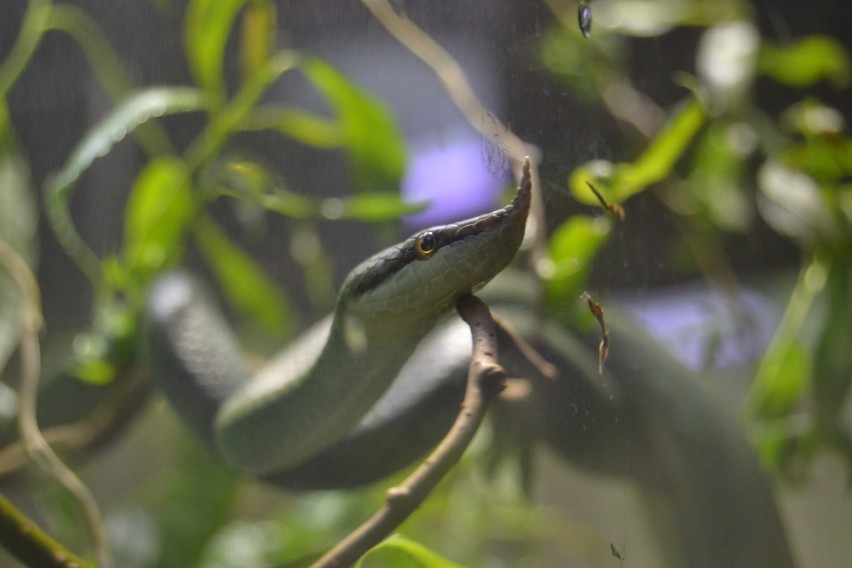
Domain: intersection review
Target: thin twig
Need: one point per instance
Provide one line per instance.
(485, 380)
(541, 365)
(126, 395)
(461, 93)
(37, 447)
(598, 312)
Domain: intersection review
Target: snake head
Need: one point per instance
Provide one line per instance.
(422, 277)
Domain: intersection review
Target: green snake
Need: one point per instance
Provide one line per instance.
(328, 412)
(321, 387)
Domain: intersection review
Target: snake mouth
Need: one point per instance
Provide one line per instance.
(501, 230)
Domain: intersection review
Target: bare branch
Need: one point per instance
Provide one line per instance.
(485, 380)
(35, 444)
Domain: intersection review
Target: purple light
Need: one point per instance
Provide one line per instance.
(454, 179)
(702, 328)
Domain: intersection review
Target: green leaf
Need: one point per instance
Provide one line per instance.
(781, 380)
(371, 207)
(806, 61)
(572, 248)
(244, 283)
(124, 119)
(18, 209)
(228, 120)
(198, 494)
(370, 135)
(652, 166)
(399, 551)
(794, 205)
(308, 128)
(208, 26)
(157, 217)
(257, 37)
(100, 353)
(254, 185)
(714, 182)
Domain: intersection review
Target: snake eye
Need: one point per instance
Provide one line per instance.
(425, 245)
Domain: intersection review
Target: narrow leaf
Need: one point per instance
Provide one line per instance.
(208, 26)
(806, 61)
(258, 35)
(124, 119)
(305, 127)
(377, 206)
(18, 227)
(372, 139)
(399, 551)
(572, 248)
(244, 283)
(653, 165)
(157, 216)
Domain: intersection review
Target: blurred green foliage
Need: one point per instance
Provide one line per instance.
(717, 160)
(701, 164)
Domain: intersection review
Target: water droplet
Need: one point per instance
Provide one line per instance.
(584, 18)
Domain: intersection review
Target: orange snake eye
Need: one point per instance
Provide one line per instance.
(426, 245)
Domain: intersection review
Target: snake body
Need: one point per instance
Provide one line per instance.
(646, 419)
(320, 388)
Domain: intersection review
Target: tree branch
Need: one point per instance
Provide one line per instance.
(34, 442)
(31, 545)
(485, 380)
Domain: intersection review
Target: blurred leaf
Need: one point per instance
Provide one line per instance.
(193, 503)
(127, 116)
(715, 178)
(244, 283)
(793, 205)
(373, 142)
(371, 207)
(18, 227)
(811, 117)
(228, 120)
(654, 165)
(305, 127)
(158, 214)
(805, 62)
(18, 209)
(786, 368)
(208, 26)
(258, 35)
(781, 380)
(572, 247)
(100, 353)
(136, 110)
(578, 61)
(250, 182)
(833, 356)
(399, 551)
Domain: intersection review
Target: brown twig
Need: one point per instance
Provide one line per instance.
(598, 312)
(461, 93)
(541, 365)
(125, 397)
(485, 380)
(613, 209)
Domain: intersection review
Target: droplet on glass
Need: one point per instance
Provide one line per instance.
(584, 18)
